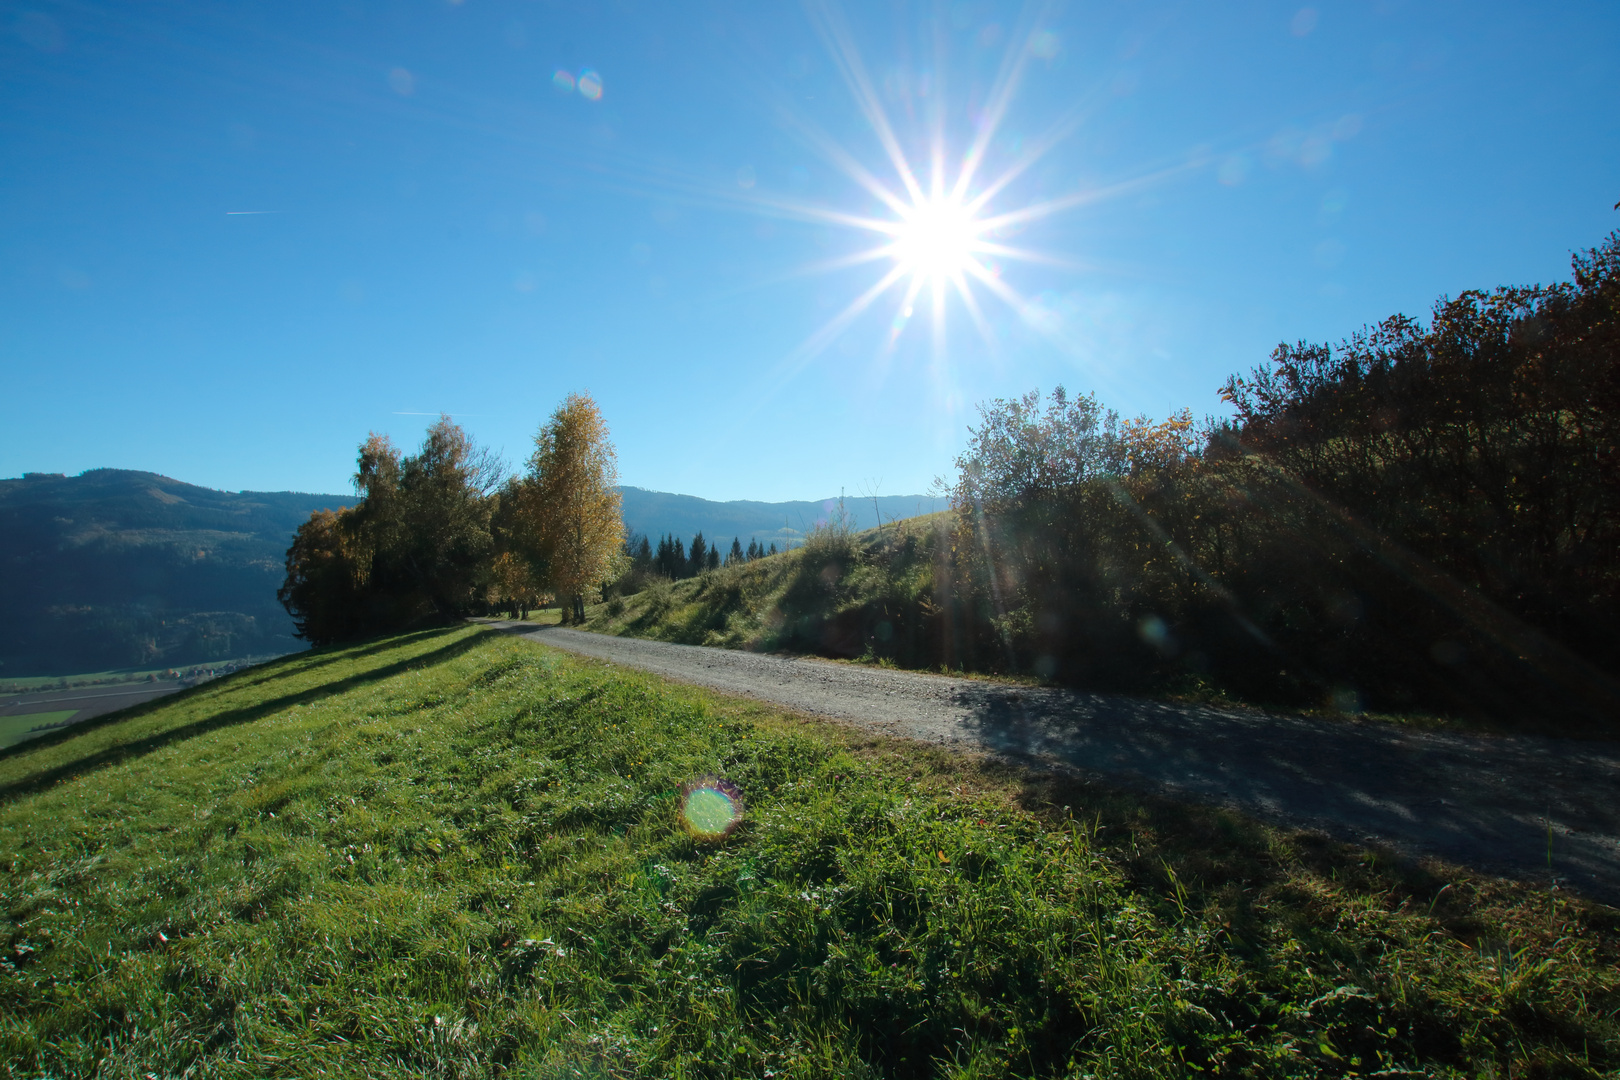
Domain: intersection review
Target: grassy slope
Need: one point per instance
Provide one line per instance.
(828, 598)
(456, 854)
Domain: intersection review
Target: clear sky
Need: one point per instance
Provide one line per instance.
(234, 238)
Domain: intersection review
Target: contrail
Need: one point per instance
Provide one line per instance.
(233, 213)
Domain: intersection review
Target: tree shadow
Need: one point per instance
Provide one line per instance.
(1521, 807)
(122, 752)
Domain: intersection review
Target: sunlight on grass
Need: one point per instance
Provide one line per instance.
(459, 854)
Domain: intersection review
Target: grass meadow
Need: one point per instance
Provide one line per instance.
(458, 854)
(14, 729)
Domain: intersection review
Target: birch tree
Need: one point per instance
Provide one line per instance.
(570, 528)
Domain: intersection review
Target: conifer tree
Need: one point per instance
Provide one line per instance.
(697, 557)
(736, 554)
(714, 558)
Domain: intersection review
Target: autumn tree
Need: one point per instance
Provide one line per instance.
(571, 529)
(322, 588)
(416, 548)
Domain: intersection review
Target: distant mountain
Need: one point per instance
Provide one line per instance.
(114, 568)
(654, 513)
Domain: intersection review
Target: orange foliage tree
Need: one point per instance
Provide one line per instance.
(567, 522)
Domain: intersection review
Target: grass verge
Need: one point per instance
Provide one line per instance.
(458, 854)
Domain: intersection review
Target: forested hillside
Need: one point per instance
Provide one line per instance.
(1423, 517)
(116, 568)
(786, 524)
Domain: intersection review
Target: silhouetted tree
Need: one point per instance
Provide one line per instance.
(641, 556)
(697, 558)
(416, 548)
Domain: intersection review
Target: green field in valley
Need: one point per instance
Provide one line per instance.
(14, 729)
(459, 854)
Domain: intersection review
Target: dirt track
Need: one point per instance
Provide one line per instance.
(1484, 802)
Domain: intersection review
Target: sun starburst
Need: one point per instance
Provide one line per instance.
(938, 233)
(936, 238)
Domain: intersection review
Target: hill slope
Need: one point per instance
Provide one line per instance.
(116, 568)
(456, 854)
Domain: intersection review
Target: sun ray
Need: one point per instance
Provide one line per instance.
(902, 314)
(1035, 211)
(845, 161)
(971, 302)
(848, 60)
(1031, 155)
(1001, 96)
(933, 219)
(1027, 255)
(812, 346)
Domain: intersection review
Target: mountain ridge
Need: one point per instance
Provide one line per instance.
(117, 568)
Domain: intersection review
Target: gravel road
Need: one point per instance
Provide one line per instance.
(1481, 801)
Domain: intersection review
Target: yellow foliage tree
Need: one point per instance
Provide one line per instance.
(569, 525)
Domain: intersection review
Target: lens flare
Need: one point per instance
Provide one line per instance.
(710, 808)
(590, 85)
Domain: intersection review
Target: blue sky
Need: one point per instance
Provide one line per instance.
(448, 224)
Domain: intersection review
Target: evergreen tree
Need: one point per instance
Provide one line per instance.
(697, 558)
(677, 558)
(714, 558)
(773, 548)
(753, 549)
(736, 554)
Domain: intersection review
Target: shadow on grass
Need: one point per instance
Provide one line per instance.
(1531, 808)
(122, 752)
(257, 675)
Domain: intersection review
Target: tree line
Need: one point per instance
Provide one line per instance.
(676, 561)
(443, 533)
(1422, 517)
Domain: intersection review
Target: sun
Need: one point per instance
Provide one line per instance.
(934, 226)
(936, 239)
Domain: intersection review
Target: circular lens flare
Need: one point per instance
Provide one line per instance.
(710, 808)
(936, 239)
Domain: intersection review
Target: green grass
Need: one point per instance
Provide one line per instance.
(30, 684)
(841, 595)
(458, 854)
(14, 729)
